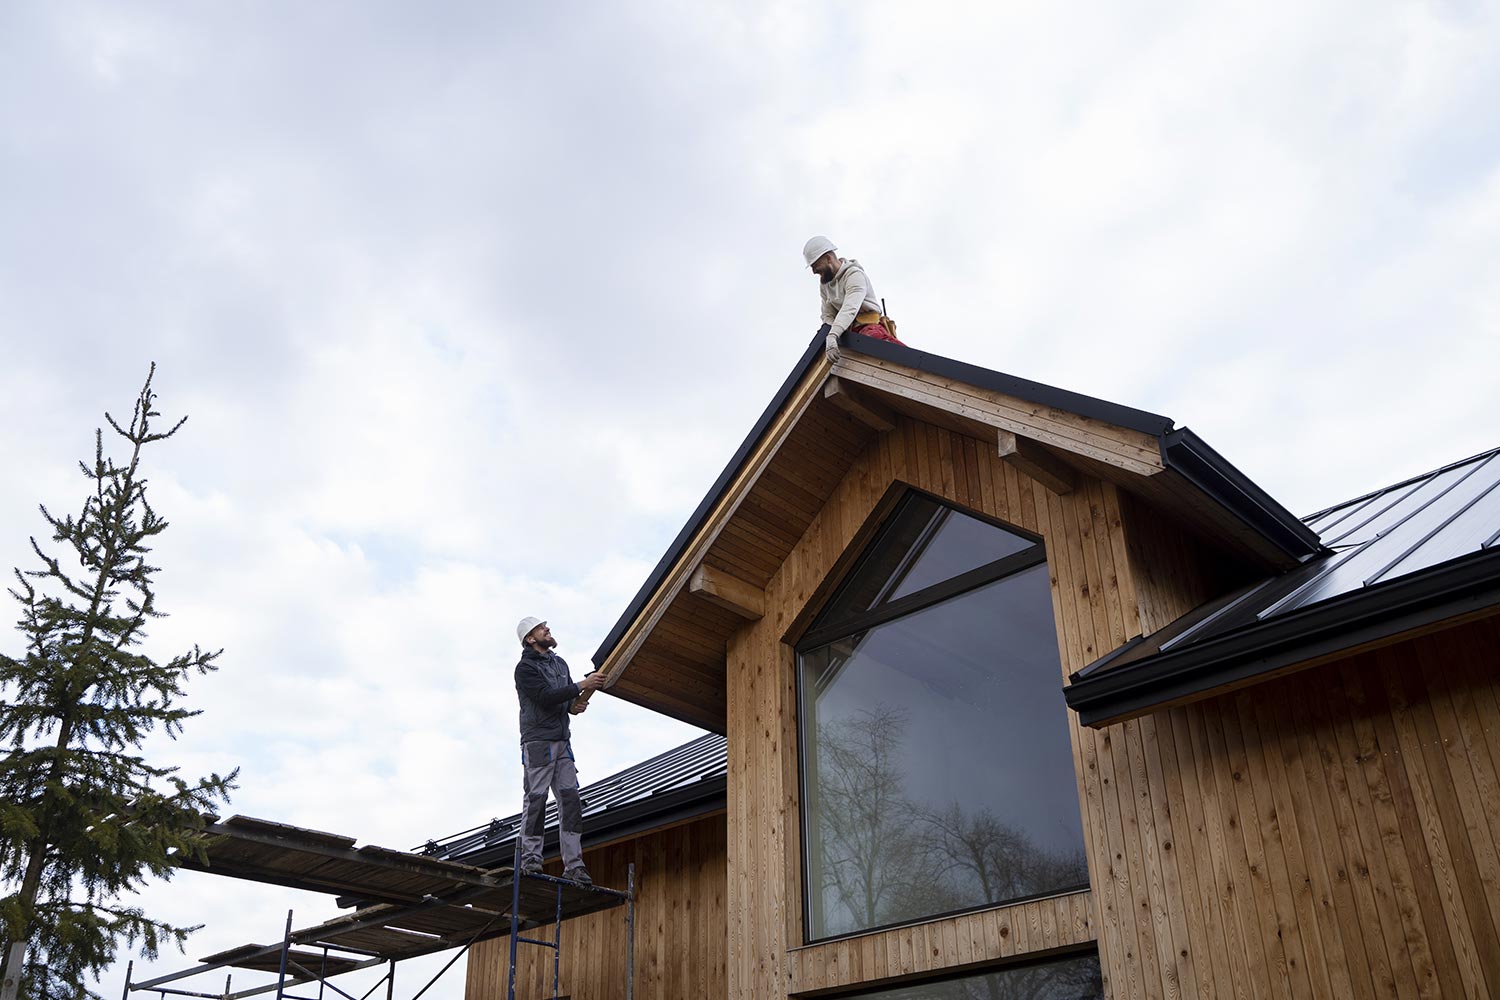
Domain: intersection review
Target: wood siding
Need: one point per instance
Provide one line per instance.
(1095, 611)
(969, 941)
(1324, 834)
(679, 937)
(1332, 833)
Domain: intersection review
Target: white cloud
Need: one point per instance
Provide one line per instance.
(470, 306)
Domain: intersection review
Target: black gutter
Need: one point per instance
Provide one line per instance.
(1190, 456)
(1383, 611)
(1181, 450)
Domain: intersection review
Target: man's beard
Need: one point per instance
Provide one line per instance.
(547, 643)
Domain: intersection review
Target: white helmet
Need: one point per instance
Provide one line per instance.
(815, 248)
(525, 627)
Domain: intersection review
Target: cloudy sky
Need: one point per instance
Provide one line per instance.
(469, 304)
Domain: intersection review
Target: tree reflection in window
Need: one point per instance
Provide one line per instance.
(937, 774)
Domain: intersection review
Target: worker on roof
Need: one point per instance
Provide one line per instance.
(847, 297)
(548, 695)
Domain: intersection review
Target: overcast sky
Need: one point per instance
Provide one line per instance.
(469, 304)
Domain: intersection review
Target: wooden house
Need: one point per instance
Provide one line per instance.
(1024, 693)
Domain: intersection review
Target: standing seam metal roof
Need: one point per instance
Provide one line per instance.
(1450, 512)
(1413, 553)
(688, 777)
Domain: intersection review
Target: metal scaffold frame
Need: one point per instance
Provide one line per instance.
(459, 907)
(556, 943)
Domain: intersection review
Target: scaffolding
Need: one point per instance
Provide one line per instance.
(426, 906)
(556, 943)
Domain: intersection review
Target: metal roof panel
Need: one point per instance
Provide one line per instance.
(1381, 537)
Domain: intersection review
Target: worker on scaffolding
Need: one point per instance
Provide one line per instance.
(847, 298)
(548, 695)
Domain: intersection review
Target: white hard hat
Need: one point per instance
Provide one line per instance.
(815, 248)
(524, 628)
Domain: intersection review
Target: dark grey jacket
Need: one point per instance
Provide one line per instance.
(545, 690)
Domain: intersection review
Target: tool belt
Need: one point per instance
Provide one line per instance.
(870, 317)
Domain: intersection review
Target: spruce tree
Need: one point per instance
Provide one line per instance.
(85, 820)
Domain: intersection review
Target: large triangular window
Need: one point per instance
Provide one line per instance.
(937, 775)
(925, 551)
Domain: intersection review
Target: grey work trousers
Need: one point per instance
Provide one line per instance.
(549, 764)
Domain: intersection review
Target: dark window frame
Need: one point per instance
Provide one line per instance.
(1087, 949)
(814, 637)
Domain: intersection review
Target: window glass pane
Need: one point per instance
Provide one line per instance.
(1068, 979)
(924, 544)
(938, 772)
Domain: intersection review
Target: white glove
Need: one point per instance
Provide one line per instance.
(831, 344)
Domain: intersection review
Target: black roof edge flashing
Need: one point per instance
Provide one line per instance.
(1092, 407)
(1383, 611)
(710, 499)
(1189, 455)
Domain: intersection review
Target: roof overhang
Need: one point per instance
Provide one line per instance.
(667, 650)
(1138, 678)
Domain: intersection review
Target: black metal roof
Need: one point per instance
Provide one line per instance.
(1413, 553)
(684, 782)
(1181, 450)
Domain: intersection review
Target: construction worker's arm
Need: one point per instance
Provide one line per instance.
(531, 683)
(856, 287)
(591, 682)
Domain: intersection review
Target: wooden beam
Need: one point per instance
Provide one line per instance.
(871, 414)
(728, 592)
(1028, 457)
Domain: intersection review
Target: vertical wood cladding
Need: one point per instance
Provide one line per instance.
(1332, 833)
(679, 933)
(765, 893)
(1335, 825)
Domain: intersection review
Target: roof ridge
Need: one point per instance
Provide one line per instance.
(1488, 453)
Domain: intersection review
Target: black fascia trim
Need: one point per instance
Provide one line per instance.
(709, 501)
(1035, 392)
(705, 796)
(1189, 455)
(1462, 586)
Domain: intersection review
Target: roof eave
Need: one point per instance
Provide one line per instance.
(1190, 456)
(1384, 612)
(710, 500)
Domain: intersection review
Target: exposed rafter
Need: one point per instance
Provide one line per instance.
(1036, 461)
(728, 592)
(858, 405)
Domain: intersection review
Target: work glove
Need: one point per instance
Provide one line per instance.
(830, 342)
